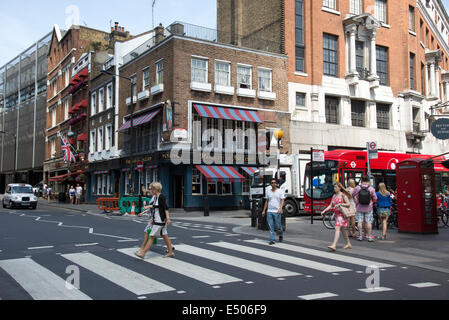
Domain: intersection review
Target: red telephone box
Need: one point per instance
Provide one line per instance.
(416, 199)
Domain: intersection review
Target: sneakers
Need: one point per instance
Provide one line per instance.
(271, 242)
(371, 239)
(360, 238)
(281, 238)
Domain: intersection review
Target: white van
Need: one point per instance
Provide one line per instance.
(19, 194)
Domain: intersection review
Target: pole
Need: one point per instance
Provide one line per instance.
(133, 140)
(368, 161)
(311, 185)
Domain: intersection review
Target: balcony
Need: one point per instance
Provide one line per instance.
(156, 89)
(266, 95)
(145, 94)
(247, 93)
(228, 90)
(201, 86)
(128, 100)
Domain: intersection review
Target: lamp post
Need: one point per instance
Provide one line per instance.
(15, 150)
(278, 134)
(133, 140)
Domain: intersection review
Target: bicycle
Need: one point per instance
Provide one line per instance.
(443, 217)
(329, 220)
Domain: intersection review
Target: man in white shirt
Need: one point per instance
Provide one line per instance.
(274, 204)
(78, 193)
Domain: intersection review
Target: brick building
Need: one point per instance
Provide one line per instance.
(358, 70)
(72, 55)
(185, 82)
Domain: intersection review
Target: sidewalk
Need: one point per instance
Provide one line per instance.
(429, 251)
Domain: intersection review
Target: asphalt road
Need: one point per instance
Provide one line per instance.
(44, 251)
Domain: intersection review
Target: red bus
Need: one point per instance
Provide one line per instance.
(342, 165)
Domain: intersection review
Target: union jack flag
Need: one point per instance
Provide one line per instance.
(68, 154)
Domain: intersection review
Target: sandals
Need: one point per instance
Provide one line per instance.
(347, 246)
(332, 248)
(169, 255)
(138, 255)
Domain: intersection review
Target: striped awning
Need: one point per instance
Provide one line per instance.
(220, 173)
(139, 120)
(227, 113)
(101, 172)
(250, 170)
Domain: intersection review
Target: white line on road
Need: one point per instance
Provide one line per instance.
(128, 240)
(86, 244)
(424, 285)
(43, 247)
(318, 296)
(373, 290)
(200, 237)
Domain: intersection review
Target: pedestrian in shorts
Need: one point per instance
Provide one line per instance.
(364, 196)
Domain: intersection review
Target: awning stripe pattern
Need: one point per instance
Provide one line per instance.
(140, 120)
(220, 173)
(250, 170)
(227, 113)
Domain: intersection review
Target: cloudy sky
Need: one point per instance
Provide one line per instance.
(24, 21)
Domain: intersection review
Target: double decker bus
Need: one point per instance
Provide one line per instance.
(342, 165)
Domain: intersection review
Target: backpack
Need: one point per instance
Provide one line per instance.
(364, 195)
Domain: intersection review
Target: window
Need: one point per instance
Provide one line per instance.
(226, 188)
(100, 139)
(109, 96)
(199, 70)
(108, 140)
(160, 72)
(99, 184)
(331, 4)
(100, 100)
(93, 104)
(222, 73)
(358, 110)
(246, 184)
(330, 55)
(380, 10)
(93, 141)
(411, 18)
(196, 181)
(211, 188)
(52, 148)
(355, 6)
(412, 71)
(421, 30)
(300, 100)
(66, 109)
(360, 59)
(299, 35)
(382, 64)
(416, 120)
(383, 116)
(244, 77)
(53, 117)
(134, 86)
(423, 78)
(265, 80)
(331, 109)
(146, 77)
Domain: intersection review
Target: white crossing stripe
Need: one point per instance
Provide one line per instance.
(39, 282)
(281, 257)
(208, 276)
(318, 296)
(377, 289)
(327, 255)
(424, 285)
(123, 277)
(236, 262)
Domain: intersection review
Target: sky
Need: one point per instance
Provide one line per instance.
(24, 22)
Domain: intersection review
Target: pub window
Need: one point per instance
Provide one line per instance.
(196, 181)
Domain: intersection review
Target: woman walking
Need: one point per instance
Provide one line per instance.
(339, 200)
(159, 219)
(351, 219)
(384, 204)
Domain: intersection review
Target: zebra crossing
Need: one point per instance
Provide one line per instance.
(212, 265)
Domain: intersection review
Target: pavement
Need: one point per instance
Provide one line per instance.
(428, 251)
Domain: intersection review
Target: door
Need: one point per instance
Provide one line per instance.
(178, 190)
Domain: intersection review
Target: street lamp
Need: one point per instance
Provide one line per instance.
(15, 149)
(279, 134)
(133, 140)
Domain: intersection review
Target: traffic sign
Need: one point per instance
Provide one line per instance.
(372, 150)
(140, 166)
(318, 156)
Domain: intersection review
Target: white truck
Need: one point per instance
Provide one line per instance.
(292, 168)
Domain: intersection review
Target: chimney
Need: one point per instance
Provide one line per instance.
(177, 29)
(159, 33)
(116, 26)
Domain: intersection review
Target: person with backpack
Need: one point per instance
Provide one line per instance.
(364, 196)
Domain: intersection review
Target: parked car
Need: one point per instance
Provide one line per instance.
(38, 189)
(19, 194)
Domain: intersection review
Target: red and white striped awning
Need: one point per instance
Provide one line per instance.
(140, 120)
(220, 173)
(227, 113)
(250, 170)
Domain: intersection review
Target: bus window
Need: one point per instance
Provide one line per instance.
(355, 175)
(324, 176)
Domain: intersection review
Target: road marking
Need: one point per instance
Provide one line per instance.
(281, 257)
(424, 285)
(373, 290)
(86, 244)
(200, 237)
(328, 255)
(39, 282)
(123, 277)
(43, 247)
(236, 262)
(318, 296)
(129, 240)
(201, 274)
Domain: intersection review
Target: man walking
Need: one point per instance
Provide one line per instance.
(364, 196)
(275, 202)
(78, 193)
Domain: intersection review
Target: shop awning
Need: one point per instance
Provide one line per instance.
(250, 170)
(227, 113)
(220, 173)
(101, 172)
(140, 120)
(82, 137)
(62, 177)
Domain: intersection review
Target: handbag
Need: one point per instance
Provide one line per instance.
(348, 212)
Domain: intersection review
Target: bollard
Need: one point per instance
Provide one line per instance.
(206, 206)
(262, 223)
(254, 210)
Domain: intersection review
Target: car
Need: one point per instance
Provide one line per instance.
(19, 194)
